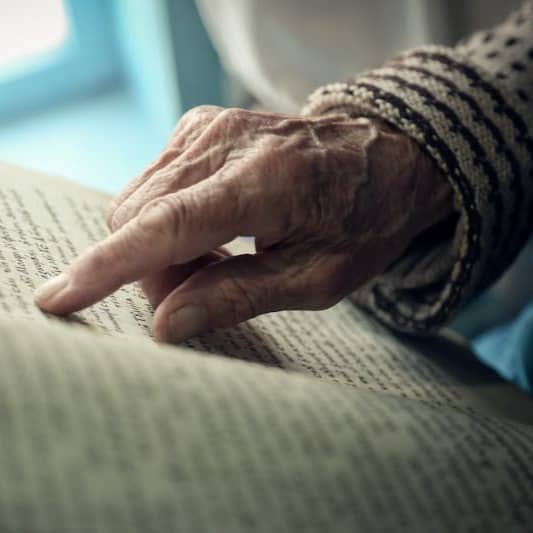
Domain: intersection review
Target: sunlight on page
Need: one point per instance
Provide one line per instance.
(29, 28)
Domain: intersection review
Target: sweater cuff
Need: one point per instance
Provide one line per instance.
(478, 133)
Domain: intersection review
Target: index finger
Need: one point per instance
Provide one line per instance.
(174, 229)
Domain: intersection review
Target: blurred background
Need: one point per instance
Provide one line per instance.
(91, 89)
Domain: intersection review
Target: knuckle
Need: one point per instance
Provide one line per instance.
(229, 112)
(206, 109)
(233, 114)
(161, 215)
(240, 303)
(198, 113)
(191, 115)
(229, 124)
(209, 110)
(188, 118)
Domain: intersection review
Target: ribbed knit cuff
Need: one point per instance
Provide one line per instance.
(478, 133)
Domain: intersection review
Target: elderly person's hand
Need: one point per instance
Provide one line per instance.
(331, 201)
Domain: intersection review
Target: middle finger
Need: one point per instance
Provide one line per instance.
(205, 156)
(187, 131)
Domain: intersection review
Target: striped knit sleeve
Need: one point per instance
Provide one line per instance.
(470, 108)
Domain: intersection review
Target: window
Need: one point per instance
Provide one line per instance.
(24, 37)
(92, 88)
(52, 50)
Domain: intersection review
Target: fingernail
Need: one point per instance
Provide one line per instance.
(187, 322)
(51, 288)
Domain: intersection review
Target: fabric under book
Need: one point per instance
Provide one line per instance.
(295, 421)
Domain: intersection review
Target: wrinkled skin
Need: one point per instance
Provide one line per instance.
(331, 200)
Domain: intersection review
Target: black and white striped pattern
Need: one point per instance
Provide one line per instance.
(507, 51)
(477, 126)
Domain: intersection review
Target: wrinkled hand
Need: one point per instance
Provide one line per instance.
(331, 201)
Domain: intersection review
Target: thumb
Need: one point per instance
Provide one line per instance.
(228, 292)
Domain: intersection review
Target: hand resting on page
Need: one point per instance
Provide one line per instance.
(332, 201)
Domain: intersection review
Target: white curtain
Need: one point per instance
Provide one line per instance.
(280, 50)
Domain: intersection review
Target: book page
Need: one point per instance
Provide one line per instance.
(344, 345)
(45, 222)
(101, 434)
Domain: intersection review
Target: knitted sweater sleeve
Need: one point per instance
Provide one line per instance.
(471, 109)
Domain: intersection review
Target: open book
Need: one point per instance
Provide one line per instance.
(295, 421)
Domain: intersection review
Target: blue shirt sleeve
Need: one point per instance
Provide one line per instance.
(509, 349)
